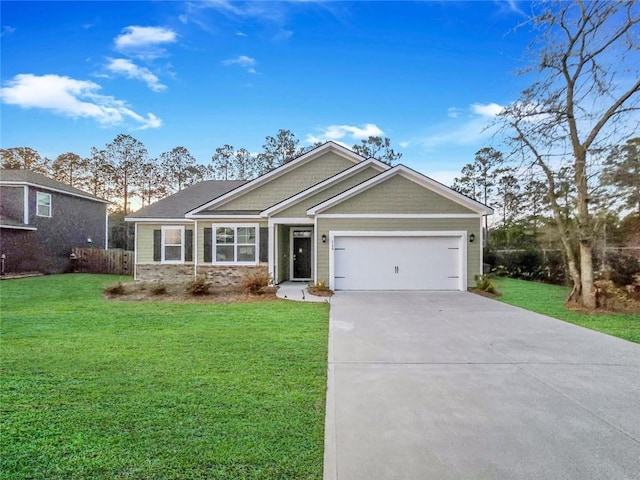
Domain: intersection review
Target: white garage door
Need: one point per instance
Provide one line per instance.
(397, 263)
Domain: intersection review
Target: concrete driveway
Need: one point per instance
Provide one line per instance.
(450, 385)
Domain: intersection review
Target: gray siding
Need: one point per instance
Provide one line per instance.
(398, 195)
(470, 225)
(12, 203)
(73, 221)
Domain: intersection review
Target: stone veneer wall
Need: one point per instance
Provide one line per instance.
(216, 275)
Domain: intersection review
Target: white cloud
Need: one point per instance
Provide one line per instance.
(242, 61)
(241, 34)
(489, 110)
(144, 42)
(71, 98)
(6, 30)
(453, 112)
(466, 126)
(339, 132)
(127, 68)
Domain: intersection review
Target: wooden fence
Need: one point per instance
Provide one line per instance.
(93, 260)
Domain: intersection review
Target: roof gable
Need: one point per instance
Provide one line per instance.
(329, 182)
(277, 173)
(401, 171)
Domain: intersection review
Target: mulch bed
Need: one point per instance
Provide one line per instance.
(139, 292)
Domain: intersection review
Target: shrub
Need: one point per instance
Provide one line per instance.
(622, 269)
(115, 290)
(158, 288)
(256, 282)
(199, 286)
(484, 284)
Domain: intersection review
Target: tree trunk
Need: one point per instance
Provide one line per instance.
(586, 268)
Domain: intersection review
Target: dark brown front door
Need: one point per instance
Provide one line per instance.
(301, 258)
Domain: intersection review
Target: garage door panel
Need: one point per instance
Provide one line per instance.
(397, 263)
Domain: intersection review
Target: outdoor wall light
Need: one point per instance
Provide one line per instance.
(472, 237)
(324, 239)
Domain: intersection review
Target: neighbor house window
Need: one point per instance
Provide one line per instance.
(236, 244)
(43, 204)
(172, 245)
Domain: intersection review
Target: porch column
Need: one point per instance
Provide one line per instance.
(272, 251)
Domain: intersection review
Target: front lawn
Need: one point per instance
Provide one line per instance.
(141, 390)
(549, 300)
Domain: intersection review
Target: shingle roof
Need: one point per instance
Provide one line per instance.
(178, 204)
(27, 176)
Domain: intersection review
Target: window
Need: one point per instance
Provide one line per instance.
(43, 204)
(236, 244)
(172, 243)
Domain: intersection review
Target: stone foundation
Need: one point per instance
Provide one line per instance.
(220, 276)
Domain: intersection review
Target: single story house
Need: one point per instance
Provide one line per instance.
(328, 216)
(42, 220)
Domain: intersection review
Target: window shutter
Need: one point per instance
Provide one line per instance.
(208, 234)
(157, 245)
(264, 244)
(188, 245)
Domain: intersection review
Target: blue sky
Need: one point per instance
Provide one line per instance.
(429, 75)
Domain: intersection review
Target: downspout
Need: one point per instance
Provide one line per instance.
(195, 250)
(25, 218)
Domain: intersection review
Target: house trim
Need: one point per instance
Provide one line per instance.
(399, 215)
(281, 170)
(52, 189)
(26, 204)
(235, 226)
(18, 227)
(349, 172)
(159, 220)
(409, 174)
(306, 228)
(163, 245)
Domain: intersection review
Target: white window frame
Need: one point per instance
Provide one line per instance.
(163, 244)
(40, 196)
(235, 226)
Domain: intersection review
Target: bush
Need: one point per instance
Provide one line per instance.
(484, 284)
(158, 288)
(115, 290)
(622, 269)
(199, 286)
(256, 282)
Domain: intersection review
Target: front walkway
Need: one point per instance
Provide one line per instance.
(450, 385)
(298, 291)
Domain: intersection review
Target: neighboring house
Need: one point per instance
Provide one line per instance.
(42, 220)
(328, 216)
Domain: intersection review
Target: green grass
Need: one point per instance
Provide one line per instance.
(549, 300)
(96, 389)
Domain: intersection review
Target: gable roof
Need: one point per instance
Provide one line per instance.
(412, 175)
(176, 205)
(27, 177)
(286, 203)
(281, 170)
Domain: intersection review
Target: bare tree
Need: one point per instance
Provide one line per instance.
(24, 158)
(622, 171)
(179, 168)
(72, 169)
(125, 155)
(278, 150)
(150, 182)
(378, 148)
(587, 67)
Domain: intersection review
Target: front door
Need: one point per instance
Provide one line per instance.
(301, 255)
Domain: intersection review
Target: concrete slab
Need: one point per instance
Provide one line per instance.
(451, 385)
(298, 291)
